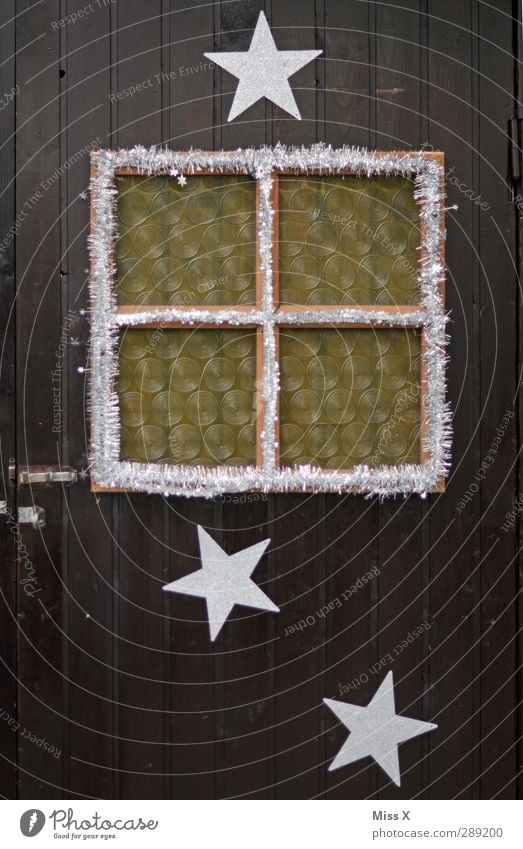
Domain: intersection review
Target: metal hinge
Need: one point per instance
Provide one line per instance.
(45, 475)
(34, 516)
(514, 131)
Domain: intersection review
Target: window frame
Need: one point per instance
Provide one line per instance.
(109, 473)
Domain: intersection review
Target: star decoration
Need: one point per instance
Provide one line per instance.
(182, 180)
(263, 71)
(224, 580)
(376, 730)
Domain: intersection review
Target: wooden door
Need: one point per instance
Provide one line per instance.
(119, 677)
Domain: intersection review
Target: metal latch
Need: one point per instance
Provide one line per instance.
(34, 516)
(46, 475)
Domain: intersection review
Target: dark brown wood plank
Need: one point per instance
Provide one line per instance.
(192, 696)
(295, 530)
(41, 663)
(87, 518)
(243, 651)
(140, 646)
(349, 523)
(402, 579)
(454, 530)
(7, 403)
(347, 72)
(499, 291)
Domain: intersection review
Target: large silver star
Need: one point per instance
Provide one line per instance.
(263, 71)
(224, 580)
(376, 730)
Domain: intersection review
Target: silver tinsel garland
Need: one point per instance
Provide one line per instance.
(110, 471)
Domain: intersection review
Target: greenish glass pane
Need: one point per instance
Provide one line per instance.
(348, 240)
(186, 245)
(188, 396)
(349, 397)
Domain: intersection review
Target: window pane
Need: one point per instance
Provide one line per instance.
(349, 397)
(186, 245)
(188, 396)
(351, 240)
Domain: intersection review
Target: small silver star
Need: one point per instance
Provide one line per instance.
(263, 71)
(182, 180)
(224, 580)
(376, 730)
(83, 195)
(82, 311)
(84, 473)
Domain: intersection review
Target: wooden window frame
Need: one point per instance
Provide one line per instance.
(267, 316)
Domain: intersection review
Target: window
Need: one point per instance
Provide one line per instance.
(268, 319)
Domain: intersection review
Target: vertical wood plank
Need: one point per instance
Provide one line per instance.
(454, 524)
(296, 531)
(87, 519)
(350, 523)
(42, 687)
(499, 386)
(192, 695)
(400, 42)
(243, 650)
(7, 405)
(139, 651)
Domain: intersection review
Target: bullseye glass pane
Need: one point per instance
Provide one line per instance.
(349, 397)
(188, 396)
(186, 245)
(348, 240)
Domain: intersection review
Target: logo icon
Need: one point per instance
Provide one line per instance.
(32, 822)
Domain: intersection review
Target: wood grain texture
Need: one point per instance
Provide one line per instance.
(123, 677)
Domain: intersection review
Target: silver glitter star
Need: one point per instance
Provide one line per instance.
(182, 180)
(376, 730)
(263, 71)
(224, 580)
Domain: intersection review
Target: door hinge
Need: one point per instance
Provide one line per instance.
(514, 132)
(46, 475)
